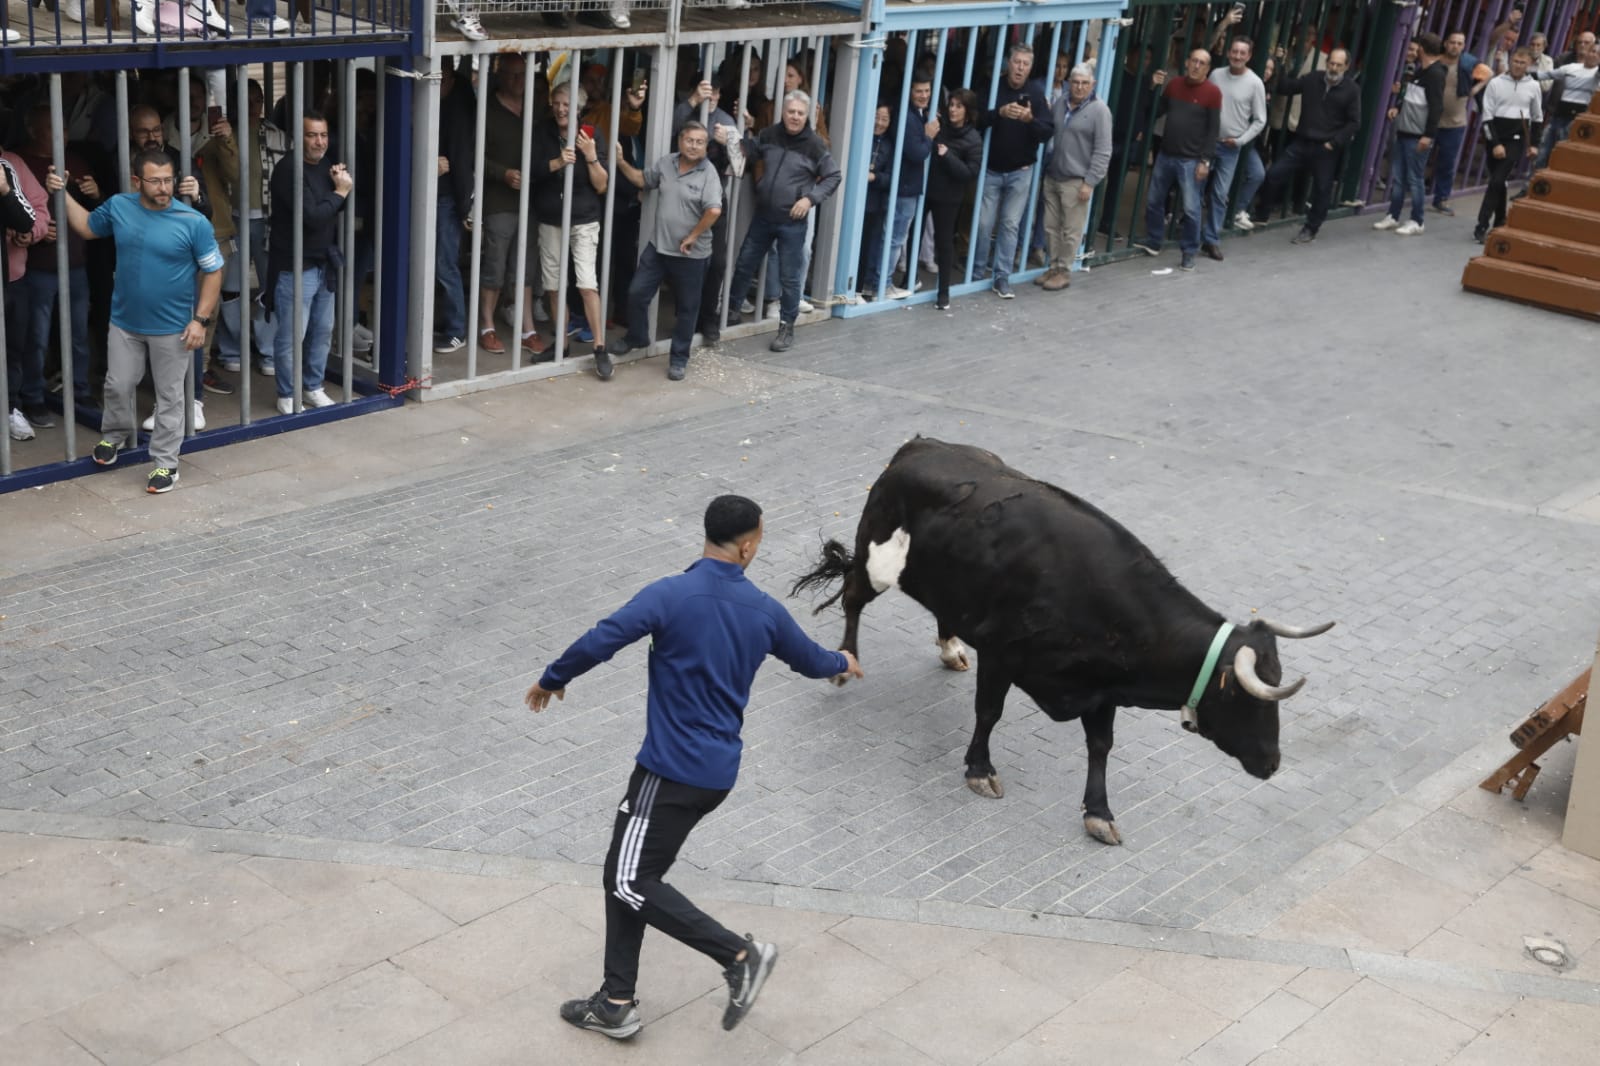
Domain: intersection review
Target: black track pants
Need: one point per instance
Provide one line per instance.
(652, 823)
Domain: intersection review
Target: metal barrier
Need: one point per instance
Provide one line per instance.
(750, 66)
(218, 130)
(83, 23)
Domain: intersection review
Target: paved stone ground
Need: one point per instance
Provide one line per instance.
(1333, 432)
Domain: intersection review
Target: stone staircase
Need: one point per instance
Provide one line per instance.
(1548, 252)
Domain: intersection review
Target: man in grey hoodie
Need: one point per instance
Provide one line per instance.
(1079, 157)
(798, 174)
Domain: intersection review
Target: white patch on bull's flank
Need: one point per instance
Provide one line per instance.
(886, 561)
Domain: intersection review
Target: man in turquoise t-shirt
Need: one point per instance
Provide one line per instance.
(161, 244)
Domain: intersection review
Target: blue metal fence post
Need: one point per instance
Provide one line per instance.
(395, 308)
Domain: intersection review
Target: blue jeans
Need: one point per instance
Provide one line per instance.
(1221, 182)
(1556, 129)
(1004, 194)
(872, 224)
(261, 9)
(317, 304)
(774, 286)
(37, 303)
(1406, 165)
(1169, 171)
(233, 296)
(687, 275)
(790, 237)
(1447, 152)
(451, 320)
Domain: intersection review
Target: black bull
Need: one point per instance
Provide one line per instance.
(1060, 600)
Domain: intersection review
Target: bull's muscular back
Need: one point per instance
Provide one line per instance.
(1006, 561)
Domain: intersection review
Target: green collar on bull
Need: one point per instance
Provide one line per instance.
(1191, 717)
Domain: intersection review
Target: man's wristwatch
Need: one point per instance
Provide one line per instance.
(204, 320)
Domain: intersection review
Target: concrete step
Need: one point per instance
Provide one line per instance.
(1585, 128)
(1580, 159)
(1542, 250)
(1533, 285)
(1555, 220)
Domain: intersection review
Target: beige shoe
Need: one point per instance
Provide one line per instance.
(1058, 280)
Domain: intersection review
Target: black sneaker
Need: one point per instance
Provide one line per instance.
(1479, 234)
(1002, 287)
(1187, 263)
(745, 979)
(40, 417)
(622, 346)
(711, 334)
(215, 384)
(105, 453)
(1305, 236)
(675, 371)
(785, 338)
(616, 1020)
(602, 363)
(1146, 247)
(162, 479)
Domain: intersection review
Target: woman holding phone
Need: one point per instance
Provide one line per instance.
(952, 168)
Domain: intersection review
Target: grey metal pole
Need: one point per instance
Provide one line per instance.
(58, 152)
(185, 167)
(735, 186)
(475, 215)
(382, 70)
(568, 176)
(248, 138)
(885, 267)
(124, 169)
(347, 222)
(524, 194)
(297, 314)
(599, 328)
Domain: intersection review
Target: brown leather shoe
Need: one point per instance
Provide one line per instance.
(1058, 281)
(489, 341)
(1045, 277)
(1211, 251)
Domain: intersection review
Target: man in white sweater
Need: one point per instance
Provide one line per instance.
(1244, 116)
(1512, 114)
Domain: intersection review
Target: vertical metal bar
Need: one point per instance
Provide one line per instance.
(736, 185)
(1036, 179)
(5, 387)
(480, 64)
(524, 212)
(568, 178)
(983, 170)
(777, 57)
(297, 314)
(124, 168)
(615, 135)
(914, 243)
(248, 139)
(380, 72)
(972, 229)
(349, 284)
(58, 152)
(185, 168)
(885, 267)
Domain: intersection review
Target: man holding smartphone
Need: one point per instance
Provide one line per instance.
(551, 159)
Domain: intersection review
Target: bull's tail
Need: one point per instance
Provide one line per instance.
(836, 563)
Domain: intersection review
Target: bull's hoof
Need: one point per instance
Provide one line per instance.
(953, 654)
(987, 787)
(1102, 830)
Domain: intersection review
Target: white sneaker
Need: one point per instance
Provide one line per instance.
(275, 24)
(470, 27)
(10, 36)
(1386, 222)
(1409, 228)
(318, 398)
(144, 17)
(361, 338)
(286, 405)
(70, 11)
(806, 306)
(212, 17)
(897, 293)
(199, 416)
(619, 16)
(747, 308)
(21, 428)
(1242, 221)
(737, 5)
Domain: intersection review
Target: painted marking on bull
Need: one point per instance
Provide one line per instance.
(886, 561)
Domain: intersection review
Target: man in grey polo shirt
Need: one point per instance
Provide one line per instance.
(688, 204)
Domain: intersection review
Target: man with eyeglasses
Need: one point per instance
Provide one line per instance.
(162, 247)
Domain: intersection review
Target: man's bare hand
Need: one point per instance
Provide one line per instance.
(89, 187)
(1499, 151)
(538, 698)
(189, 187)
(801, 208)
(194, 335)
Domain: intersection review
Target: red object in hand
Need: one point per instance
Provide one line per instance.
(588, 131)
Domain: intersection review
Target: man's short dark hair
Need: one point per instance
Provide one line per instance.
(730, 517)
(1429, 44)
(311, 114)
(150, 157)
(921, 76)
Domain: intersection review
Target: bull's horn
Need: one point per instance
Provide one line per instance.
(1296, 632)
(1244, 668)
